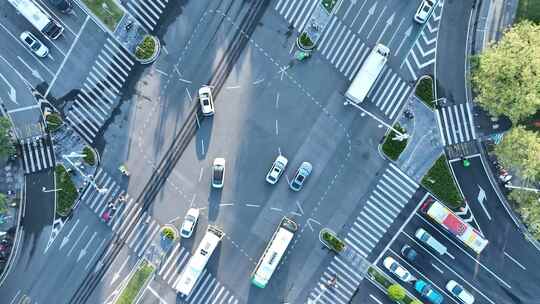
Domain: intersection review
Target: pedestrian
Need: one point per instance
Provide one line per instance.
(333, 281)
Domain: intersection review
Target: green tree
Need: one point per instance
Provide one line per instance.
(396, 292)
(506, 75)
(528, 206)
(6, 144)
(520, 149)
(3, 203)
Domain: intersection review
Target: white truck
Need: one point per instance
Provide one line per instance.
(38, 17)
(367, 75)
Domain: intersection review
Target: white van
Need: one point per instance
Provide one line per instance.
(430, 241)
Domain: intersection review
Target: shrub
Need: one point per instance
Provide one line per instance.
(146, 48)
(440, 182)
(393, 147)
(305, 41)
(54, 122)
(396, 292)
(67, 193)
(334, 242)
(168, 233)
(424, 91)
(89, 157)
(415, 301)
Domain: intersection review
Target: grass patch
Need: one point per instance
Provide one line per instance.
(146, 48)
(424, 91)
(89, 157)
(68, 193)
(54, 122)
(528, 10)
(137, 281)
(305, 41)
(439, 181)
(329, 5)
(391, 147)
(107, 11)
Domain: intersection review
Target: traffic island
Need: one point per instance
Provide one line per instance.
(66, 192)
(330, 240)
(54, 122)
(89, 156)
(424, 91)
(147, 50)
(107, 11)
(304, 42)
(395, 291)
(440, 182)
(393, 145)
(328, 5)
(137, 282)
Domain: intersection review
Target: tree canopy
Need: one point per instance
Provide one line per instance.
(6, 144)
(520, 149)
(506, 75)
(528, 206)
(396, 292)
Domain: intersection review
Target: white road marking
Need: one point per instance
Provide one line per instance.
(192, 200)
(276, 209)
(188, 94)
(256, 82)
(300, 207)
(515, 261)
(226, 204)
(161, 300)
(481, 198)
(277, 100)
(202, 146)
(15, 297)
(95, 253)
(375, 299)
(233, 87)
(252, 205)
(438, 269)
(201, 174)
(77, 240)
(184, 80)
(161, 72)
(277, 128)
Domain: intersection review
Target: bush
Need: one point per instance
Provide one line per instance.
(7, 146)
(396, 292)
(329, 5)
(54, 122)
(146, 48)
(334, 242)
(89, 157)
(392, 147)
(424, 91)
(440, 182)
(168, 233)
(67, 194)
(3, 203)
(305, 41)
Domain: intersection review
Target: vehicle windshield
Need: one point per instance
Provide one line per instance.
(205, 101)
(218, 173)
(457, 289)
(300, 178)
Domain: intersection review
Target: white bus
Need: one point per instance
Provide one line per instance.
(196, 264)
(367, 75)
(38, 18)
(274, 251)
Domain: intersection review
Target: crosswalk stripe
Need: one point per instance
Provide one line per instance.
(346, 50)
(297, 7)
(336, 42)
(149, 9)
(199, 288)
(307, 15)
(141, 11)
(77, 126)
(169, 258)
(158, 9)
(137, 230)
(405, 95)
(377, 210)
(337, 52)
(329, 28)
(149, 239)
(120, 52)
(386, 87)
(140, 17)
(31, 156)
(353, 50)
(365, 53)
(355, 60)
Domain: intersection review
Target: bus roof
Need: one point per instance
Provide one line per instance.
(31, 11)
(272, 256)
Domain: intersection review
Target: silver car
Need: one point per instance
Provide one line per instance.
(300, 177)
(277, 169)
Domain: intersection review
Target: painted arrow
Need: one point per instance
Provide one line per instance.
(34, 72)
(371, 11)
(407, 33)
(481, 198)
(308, 222)
(12, 93)
(85, 249)
(65, 240)
(386, 26)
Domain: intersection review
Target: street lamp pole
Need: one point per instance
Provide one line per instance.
(50, 190)
(400, 135)
(523, 188)
(68, 157)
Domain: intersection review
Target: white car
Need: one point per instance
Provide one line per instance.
(461, 294)
(36, 46)
(399, 271)
(424, 11)
(190, 221)
(206, 100)
(277, 169)
(218, 173)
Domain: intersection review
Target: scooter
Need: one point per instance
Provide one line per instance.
(124, 170)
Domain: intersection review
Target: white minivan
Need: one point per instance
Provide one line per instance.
(430, 241)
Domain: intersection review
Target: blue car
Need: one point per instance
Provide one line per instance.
(427, 291)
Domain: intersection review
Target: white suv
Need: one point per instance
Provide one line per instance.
(36, 46)
(424, 11)
(277, 169)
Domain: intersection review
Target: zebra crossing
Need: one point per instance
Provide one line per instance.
(208, 288)
(147, 12)
(130, 214)
(455, 124)
(296, 12)
(391, 193)
(423, 53)
(101, 90)
(37, 155)
(390, 93)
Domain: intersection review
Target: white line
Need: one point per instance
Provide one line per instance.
(188, 94)
(161, 300)
(277, 128)
(66, 56)
(95, 253)
(438, 269)
(226, 204)
(515, 261)
(184, 80)
(161, 72)
(252, 205)
(375, 299)
(201, 174)
(202, 146)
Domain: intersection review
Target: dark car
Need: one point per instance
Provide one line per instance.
(409, 253)
(62, 5)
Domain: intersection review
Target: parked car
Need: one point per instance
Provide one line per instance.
(427, 291)
(409, 254)
(430, 241)
(218, 172)
(277, 169)
(206, 100)
(399, 271)
(459, 292)
(300, 176)
(424, 11)
(62, 5)
(190, 221)
(36, 46)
